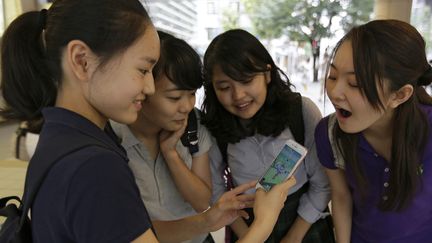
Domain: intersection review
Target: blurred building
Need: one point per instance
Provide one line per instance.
(214, 17)
(176, 17)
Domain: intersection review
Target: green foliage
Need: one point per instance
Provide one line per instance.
(357, 12)
(305, 20)
(230, 19)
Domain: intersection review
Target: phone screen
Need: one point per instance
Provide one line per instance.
(280, 168)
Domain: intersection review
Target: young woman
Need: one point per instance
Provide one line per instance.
(79, 64)
(377, 147)
(173, 182)
(249, 106)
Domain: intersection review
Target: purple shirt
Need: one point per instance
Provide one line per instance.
(369, 224)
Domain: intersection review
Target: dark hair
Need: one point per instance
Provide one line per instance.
(32, 47)
(241, 56)
(391, 52)
(179, 62)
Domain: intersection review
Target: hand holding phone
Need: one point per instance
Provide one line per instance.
(284, 165)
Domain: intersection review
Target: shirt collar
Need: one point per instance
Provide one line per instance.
(127, 138)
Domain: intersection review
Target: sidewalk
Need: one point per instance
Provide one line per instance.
(12, 174)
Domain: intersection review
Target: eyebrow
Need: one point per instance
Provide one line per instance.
(149, 59)
(172, 89)
(219, 81)
(350, 72)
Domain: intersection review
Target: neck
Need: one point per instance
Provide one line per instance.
(144, 130)
(74, 101)
(382, 128)
(148, 134)
(380, 135)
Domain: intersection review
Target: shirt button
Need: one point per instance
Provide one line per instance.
(385, 198)
(386, 170)
(386, 184)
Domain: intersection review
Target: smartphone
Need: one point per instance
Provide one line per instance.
(284, 165)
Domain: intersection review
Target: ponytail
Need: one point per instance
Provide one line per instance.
(26, 83)
(424, 80)
(33, 44)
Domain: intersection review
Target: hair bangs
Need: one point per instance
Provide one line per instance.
(243, 70)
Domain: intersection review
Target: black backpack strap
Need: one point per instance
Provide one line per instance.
(296, 122)
(36, 173)
(190, 136)
(226, 175)
(4, 200)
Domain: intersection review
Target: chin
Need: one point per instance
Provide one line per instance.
(349, 130)
(126, 119)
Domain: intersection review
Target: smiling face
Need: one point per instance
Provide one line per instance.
(353, 111)
(241, 98)
(169, 107)
(118, 88)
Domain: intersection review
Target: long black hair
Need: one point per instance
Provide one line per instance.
(32, 47)
(179, 62)
(241, 56)
(392, 53)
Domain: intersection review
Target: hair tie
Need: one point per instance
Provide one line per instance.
(42, 18)
(426, 78)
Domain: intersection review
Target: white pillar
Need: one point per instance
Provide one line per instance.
(393, 9)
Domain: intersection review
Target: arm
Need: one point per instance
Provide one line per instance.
(193, 184)
(316, 199)
(297, 231)
(341, 205)
(223, 212)
(266, 210)
(147, 237)
(239, 227)
(313, 202)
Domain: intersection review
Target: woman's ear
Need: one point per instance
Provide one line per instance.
(401, 95)
(268, 74)
(80, 59)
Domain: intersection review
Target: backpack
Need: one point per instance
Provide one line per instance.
(190, 136)
(17, 227)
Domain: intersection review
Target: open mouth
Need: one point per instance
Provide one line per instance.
(344, 113)
(138, 104)
(243, 106)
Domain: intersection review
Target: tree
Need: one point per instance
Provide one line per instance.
(230, 19)
(305, 20)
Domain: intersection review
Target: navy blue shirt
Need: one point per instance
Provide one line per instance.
(89, 195)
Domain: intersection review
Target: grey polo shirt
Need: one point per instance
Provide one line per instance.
(158, 190)
(250, 158)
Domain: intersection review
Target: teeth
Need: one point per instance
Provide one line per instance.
(243, 105)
